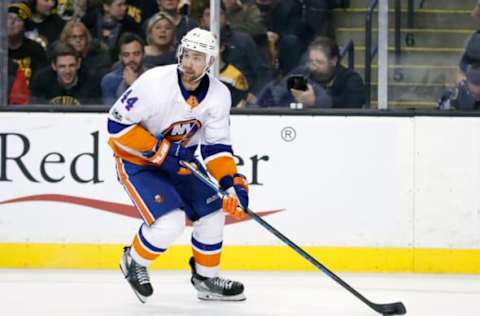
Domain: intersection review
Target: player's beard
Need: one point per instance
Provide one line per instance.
(189, 76)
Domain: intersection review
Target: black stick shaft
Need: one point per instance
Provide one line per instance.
(376, 307)
(307, 256)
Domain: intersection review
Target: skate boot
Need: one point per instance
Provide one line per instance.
(136, 275)
(216, 289)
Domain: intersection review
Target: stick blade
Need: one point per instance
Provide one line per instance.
(391, 309)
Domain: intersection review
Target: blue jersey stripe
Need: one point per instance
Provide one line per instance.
(210, 150)
(206, 247)
(115, 127)
(147, 244)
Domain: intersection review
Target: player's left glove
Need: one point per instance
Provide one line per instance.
(236, 202)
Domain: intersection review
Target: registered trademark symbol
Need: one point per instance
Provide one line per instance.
(288, 134)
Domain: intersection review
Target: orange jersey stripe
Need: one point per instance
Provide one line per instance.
(206, 260)
(133, 159)
(141, 207)
(144, 253)
(222, 166)
(137, 138)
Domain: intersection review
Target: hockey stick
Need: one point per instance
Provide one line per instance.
(385, 309)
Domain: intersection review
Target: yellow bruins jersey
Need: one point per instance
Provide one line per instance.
(237, 83)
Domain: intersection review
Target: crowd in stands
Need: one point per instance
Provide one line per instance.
(466, 93)
(88, 52)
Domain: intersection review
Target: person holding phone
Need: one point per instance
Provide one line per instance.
(466, 95)
(322, 82)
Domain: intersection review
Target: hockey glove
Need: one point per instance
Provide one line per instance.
(161, 157)
(181, 153)
(158, 155)
(236, 202)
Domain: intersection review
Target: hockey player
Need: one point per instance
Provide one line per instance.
(159, 121)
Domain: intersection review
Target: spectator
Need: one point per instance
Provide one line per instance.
(45, 25)
(245, 17)
(109, 22)
(65, 82)
(183, 22)
(318, 17)
(161, 41)
(232, 77)
(329, 84)
(470, 56)
(66, 8)
(28, 54)
(243, 54)
(142, 10)
(466, 95)
(476, 10)
(92, 51)
(18, 92)
(74, 9)
(131, 59)
(285, 31)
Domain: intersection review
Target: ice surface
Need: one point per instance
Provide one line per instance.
(106, 293)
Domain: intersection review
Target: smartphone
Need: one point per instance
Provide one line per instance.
(297, 82)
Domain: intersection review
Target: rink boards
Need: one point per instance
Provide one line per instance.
(359, 193)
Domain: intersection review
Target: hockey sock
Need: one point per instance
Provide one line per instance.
(153, 240)
(207, 239)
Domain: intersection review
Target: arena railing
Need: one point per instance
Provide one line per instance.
(271, 111)
(369, 51)
(349, 51)
(409, 37)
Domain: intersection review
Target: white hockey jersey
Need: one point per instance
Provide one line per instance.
(157, 105)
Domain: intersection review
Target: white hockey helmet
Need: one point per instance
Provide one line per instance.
(199, 40)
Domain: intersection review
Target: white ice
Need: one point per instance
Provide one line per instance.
(106, 293)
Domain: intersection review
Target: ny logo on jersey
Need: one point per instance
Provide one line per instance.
(182, 131)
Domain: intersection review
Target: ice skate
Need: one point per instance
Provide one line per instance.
(136, 275)
(216, 289)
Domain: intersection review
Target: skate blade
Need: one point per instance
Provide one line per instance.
(217, 297)
(141, 298)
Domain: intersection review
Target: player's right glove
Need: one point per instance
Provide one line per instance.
(178, 151)
(236, 202)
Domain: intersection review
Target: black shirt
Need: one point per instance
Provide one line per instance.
(49, 30)
(45, 89)
(145, 8)
(30, 57)
(167, 58)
